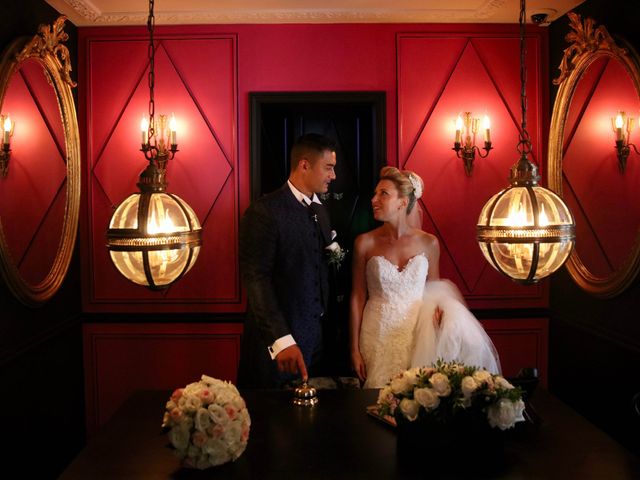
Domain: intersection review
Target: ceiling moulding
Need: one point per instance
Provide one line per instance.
(85, 9)
(85, 13)
(489, 9)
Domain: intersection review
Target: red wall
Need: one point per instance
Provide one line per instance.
(33, 194)
(123, 358)
(603, 200)
(126, 357)
(204, 74)
(438, 78)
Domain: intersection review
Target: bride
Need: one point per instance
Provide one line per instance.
(398, 319)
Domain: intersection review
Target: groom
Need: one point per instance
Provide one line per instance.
(285, 273)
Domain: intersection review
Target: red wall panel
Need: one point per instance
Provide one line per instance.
(521, 343)
(195, 79)
(123, 358)
(606, 224)
(33, 194)
(469, 74)
(205, 74)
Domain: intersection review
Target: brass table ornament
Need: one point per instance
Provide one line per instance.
(305, 395)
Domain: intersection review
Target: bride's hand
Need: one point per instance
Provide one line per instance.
(358, 365)
(437, 318)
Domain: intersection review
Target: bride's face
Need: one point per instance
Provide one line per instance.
(386, 202)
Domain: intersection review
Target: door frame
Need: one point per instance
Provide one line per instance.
(376, 100)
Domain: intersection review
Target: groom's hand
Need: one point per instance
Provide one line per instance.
(290, 360)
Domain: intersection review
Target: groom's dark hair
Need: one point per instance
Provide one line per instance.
(309, 146)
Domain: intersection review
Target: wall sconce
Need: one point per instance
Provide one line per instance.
(467, 126)
(622, 127)
(5, 152)
(159, 139)
(154, 237)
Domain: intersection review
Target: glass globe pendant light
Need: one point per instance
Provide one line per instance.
(154, 237)
(526, 231)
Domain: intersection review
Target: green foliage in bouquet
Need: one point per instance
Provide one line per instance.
(449, 391)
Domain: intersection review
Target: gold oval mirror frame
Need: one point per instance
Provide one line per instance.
(46, 48)
(589, 44)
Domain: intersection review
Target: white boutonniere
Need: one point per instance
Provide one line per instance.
(335, 253)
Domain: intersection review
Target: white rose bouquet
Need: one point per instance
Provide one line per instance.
(449, 390)
(207, 422)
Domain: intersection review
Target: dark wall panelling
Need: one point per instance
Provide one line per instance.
(41, 390)
(40, 349)
(121, 358)
(592, 338)
(580, 353)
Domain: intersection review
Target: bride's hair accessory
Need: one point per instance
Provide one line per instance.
(417, 185)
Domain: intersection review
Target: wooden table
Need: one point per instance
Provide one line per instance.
(337, 439)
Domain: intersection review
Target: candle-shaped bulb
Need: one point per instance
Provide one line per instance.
(6, 130)
(458, 129)
(173, 126)
(543, 221)
(144, 127)
(517, 216)
(619, 123)
(486, 126)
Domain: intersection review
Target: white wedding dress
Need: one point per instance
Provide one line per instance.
(397, 330)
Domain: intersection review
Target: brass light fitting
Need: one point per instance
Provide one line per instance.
(5, 153)
(465, 141)
(622, 127)
(525, 231)
(154, 237)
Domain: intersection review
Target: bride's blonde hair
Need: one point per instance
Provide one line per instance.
(408, 183)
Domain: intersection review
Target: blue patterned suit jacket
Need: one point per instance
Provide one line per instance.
(285, 275)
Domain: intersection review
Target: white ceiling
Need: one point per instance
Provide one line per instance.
(180, 12)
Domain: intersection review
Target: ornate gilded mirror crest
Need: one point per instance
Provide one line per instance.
(48, 46)
(586, 40)
(589, 70)
(44, 159)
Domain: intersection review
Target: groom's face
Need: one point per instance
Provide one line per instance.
(321, 172)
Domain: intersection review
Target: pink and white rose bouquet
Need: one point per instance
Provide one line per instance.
(207, 422)
(449, 390)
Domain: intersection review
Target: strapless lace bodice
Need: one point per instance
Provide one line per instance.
(387, 283)
(390, 314)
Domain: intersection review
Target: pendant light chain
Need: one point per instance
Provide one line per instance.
(147, 239)
(525, 231)
(152, 77)
(524, 145)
